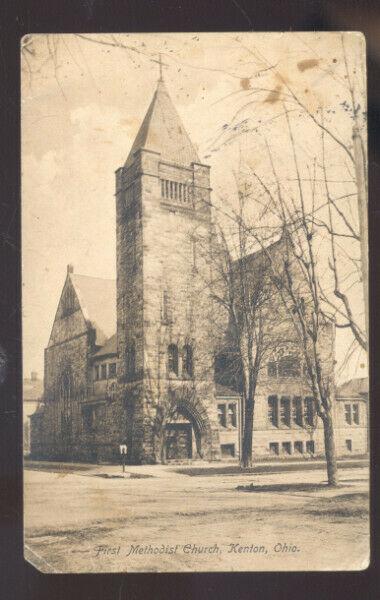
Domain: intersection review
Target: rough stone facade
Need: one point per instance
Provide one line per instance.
(119, 356)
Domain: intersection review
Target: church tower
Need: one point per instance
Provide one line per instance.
(164, 308)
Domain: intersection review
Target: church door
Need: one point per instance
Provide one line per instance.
(178, 441)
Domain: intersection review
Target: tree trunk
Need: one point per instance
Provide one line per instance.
(246, 455)
(163, 448)
(331, 463)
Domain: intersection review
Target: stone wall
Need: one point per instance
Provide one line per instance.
(164, 300)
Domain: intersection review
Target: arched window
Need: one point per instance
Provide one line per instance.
(188, 360)
(289, 366)
(173, 358)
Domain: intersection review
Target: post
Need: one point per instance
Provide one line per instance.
(123, 453)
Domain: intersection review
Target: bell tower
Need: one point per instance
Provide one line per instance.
(164, 307)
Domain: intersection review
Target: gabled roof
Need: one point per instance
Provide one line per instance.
(354, 388)
(162, 131)
(109, 348)
(97, 298)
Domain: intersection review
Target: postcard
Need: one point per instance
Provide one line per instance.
(195, 302)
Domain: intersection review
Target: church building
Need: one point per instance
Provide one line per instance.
(132, 361)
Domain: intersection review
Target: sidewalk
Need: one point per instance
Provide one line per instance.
(196, 469)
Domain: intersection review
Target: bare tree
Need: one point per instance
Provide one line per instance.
(296, 276)
(241, 287)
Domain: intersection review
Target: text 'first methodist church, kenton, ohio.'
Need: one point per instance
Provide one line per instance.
(122, 354)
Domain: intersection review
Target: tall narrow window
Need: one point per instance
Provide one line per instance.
(355, 414)
(232, 415)
(310, 447)
(112, 370)
(173, 358)
(297, 411)
(272, 369)
(188, 360)
(166, 312)
(222, 415)
(347, 414)
(96, 372)
(103, 371)
(273, 410)
(171, 189)
(309, 416)
(162, 188)
(285, 412)
(180, 191)
(175, 190)
(166, 188)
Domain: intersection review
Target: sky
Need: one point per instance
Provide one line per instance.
(83, 99)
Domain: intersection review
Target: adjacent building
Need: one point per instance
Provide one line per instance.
(130, 359)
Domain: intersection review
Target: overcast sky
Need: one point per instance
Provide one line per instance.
(83, 102)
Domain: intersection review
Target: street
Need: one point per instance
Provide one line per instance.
(88, 518)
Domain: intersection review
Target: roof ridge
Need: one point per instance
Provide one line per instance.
(162, 131)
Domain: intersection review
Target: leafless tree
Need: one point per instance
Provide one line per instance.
(296, 275)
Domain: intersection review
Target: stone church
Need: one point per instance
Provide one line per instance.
(131, 359)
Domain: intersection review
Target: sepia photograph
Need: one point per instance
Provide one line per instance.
(195, 302)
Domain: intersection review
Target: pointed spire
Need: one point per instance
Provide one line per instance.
(162, 131)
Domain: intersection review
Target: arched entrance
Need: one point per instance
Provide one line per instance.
(188, 432)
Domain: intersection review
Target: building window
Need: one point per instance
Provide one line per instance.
(188, 360)
(355, 414)
(310, 447)
(285, 412)
(309, 416)
(232, 415)
(166, 312)
(103, 371)
(286, 448)
(111, 390)
(274, 448)
(347, 413)
(227, 450)
(273, 410)
(272, 369)
(97, 372)
(297, 411)
(131, 358)
(112, 370)
(298, 447)
(88, 416)
(349, 445)
(173, 359)
(289, 366)
(222, 415)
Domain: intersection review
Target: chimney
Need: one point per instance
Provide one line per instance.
(70, 269)
(34, 376)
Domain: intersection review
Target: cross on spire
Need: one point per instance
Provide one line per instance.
(161, 64)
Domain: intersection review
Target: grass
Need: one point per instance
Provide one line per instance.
(267, 467)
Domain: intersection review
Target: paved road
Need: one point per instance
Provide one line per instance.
(81, 521)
